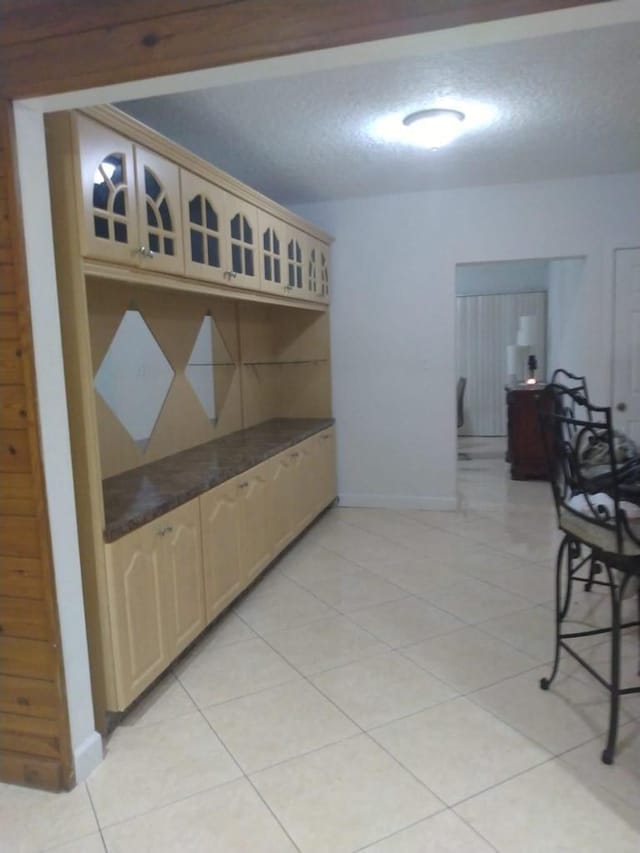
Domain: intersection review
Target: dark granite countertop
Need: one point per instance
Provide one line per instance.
(138, 496)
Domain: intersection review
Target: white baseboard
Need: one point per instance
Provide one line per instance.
(87, 756)
(399, 502)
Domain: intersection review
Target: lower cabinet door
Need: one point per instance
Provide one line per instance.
(183, 587)
(255, 538)
(326, 469)
(135, 581)
(303, 485)
(221, 526)
(281, 507)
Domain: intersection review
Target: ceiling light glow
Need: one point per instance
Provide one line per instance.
(391, 127)
(434, 128)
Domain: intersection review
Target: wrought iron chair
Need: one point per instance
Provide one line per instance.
(594, 517)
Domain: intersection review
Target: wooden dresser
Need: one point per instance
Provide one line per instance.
(525, 449)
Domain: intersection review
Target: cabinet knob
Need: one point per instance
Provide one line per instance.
(164, 530)
(621, 407)
(295, 455)
(243, 485)
(229, 274)
(146, 252)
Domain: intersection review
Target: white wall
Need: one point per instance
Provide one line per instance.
(566, 341)
(392, 313)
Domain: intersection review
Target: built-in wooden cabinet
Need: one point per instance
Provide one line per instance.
(168, 579)
(221, 531)
(272, 252)
(155, 597)
(184, 578)
(131, 201)
(142, 209)
(204, 228)
(256, 545)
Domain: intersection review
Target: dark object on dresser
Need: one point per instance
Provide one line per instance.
(525, 449)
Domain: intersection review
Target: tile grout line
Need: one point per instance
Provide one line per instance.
(246, 776)
(95, 814)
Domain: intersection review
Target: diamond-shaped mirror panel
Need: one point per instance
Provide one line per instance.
(208, 352)
(134, 377)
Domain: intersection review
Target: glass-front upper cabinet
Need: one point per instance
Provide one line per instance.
(318, 270)
(130, 201)
(159, 232)
(203, 224)
(242, 235)
(272, 239)
(297, 273)
(107, 175)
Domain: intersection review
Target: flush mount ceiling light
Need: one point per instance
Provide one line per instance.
(434, 128)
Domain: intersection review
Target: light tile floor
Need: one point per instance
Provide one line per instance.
(376, 690)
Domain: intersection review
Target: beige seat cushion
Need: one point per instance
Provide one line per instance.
(598, 536)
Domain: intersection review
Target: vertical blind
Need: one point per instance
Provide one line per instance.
(485, 325)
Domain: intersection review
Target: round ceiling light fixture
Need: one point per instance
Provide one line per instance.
(434, 128)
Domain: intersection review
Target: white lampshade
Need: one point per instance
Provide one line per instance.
(527, 331)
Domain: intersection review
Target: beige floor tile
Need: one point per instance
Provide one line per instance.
(151, 766)
(166, 701)
(316, 564)
(623, 777)
(228, 819)
(352, 592)
(419, 575)
(474, 601)
(279, 604)
(550, 809)
(344, 796)
(325, 644)
(219, 673)
(226, 630)
(571, 712)
(457, 749)
(408, 620)
(382, 688)
(279, 723)
(89, 844)
(532, 581)
(33, 820)
(360, 546)
(442, 833)
(530, 631)
(468, 659)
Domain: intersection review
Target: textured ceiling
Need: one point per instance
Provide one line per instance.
(565, 105)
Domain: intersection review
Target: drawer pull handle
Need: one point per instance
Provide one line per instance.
(295, 455)
(244, 485)
(164, 530)
(326, 437)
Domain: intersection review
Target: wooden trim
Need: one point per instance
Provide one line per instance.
(141, 134)
(149, 278)
(81, 53)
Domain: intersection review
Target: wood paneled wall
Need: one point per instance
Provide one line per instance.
(34, 736)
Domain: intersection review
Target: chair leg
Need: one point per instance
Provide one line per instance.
(608, 754)
(561, 608)
(594, 570)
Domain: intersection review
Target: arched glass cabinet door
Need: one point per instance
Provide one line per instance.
(203, 219)
(158, 185)
(108, 193)
(313, 270)
(297, 273)
(242, 233)
(272, 241)
(323, 292)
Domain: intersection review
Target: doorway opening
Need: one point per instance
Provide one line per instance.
(516, 322)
